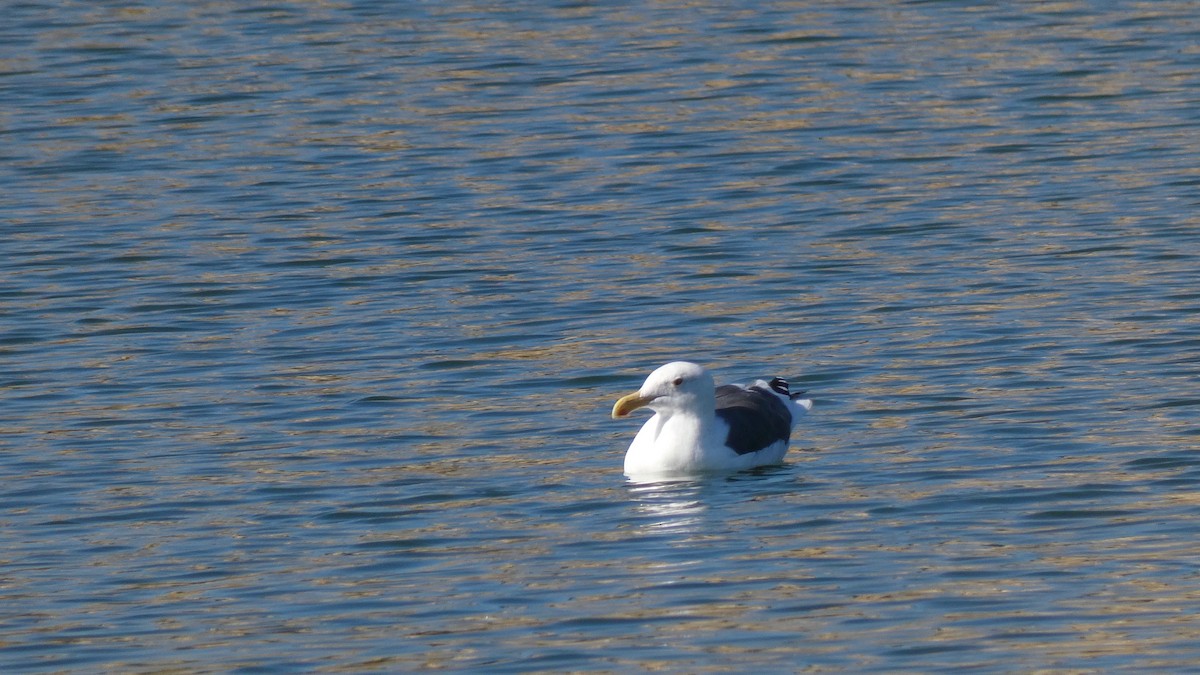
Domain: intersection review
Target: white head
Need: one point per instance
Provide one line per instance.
(677, 386)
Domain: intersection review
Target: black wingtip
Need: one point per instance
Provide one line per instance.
(779, 386)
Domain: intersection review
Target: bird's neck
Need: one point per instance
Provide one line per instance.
(692, 419)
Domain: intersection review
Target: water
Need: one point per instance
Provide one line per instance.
(313, 314)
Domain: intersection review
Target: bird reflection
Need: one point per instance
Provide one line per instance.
(674, 506)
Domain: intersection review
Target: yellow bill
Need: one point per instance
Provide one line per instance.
(627, 404)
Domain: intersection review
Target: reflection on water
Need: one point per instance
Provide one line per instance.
(674, 506)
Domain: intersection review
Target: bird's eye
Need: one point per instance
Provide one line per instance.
(677, 381)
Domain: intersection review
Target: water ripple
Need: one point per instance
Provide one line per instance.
(314, 314)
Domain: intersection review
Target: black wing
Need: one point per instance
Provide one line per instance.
(756, 418)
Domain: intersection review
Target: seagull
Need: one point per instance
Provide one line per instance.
(698, 427)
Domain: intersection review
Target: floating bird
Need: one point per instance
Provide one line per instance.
(698, 427)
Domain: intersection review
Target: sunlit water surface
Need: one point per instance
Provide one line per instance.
(313, 313)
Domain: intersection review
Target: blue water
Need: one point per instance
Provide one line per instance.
(313, 314)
